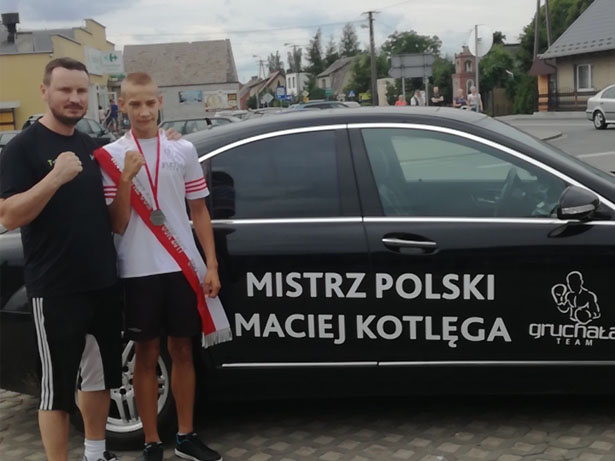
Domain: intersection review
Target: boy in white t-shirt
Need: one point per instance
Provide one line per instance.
(158, 297)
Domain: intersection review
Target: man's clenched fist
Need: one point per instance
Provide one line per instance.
(133, 161)
(66, 167)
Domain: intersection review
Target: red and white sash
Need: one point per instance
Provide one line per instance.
(215, 325)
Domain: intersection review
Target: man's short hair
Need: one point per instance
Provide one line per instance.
(65, 63)
(136, 78)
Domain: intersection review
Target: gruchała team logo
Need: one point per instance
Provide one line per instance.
(574, 299)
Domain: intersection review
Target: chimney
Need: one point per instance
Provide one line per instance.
(10, 21)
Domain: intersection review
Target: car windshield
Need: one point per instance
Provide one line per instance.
(512, 132)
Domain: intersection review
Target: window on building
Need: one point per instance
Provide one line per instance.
(584, 77)
(468, 66)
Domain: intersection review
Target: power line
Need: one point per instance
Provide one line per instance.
(238, 32)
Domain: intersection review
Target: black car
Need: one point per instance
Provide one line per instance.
(387, 251)
(192, 125)
(86, 125)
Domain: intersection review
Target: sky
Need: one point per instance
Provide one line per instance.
(258, 28)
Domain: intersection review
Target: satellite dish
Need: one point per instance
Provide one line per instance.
(481, 46)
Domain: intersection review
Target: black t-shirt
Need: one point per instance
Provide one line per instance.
(68, 247)
(437, 103)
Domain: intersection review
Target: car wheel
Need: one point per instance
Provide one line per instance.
(599, 122)
(124, 427)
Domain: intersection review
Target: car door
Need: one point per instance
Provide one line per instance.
(291, 248)
(470, 263)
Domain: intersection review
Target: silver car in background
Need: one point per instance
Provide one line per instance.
(601, 107)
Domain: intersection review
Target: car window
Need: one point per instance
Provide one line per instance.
(609, 94)
(427, 173)
(177, 125)
(514, 133)
(95, 126)
(282, 177)
(84, 126)
(192, 126)
(219, 121)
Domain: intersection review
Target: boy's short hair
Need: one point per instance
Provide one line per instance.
(136, 78)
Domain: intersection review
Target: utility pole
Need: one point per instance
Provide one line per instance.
(548, 24)
(477, 57)
(536, 28)
(261, 71)
(372, 51)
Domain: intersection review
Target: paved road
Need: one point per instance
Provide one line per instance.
(425, 429)
(577, 137)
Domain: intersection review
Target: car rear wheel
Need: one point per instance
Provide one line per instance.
(599, 121)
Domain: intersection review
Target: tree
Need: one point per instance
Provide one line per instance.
(443, 70)
(493, 67)
(349, 43)
(562, 13)
(411, 42)
(315, 54)
(360, 81)
(331, 55)
(498, 37)
(274, 62)
(294, 59)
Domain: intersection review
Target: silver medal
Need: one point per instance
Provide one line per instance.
(157, 218)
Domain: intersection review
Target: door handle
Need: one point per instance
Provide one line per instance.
(403, 243)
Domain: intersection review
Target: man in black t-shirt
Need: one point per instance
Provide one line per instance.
(436, 98)
(52, 189)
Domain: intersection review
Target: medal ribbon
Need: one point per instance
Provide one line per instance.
(153, 184)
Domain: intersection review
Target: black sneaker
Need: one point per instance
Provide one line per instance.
(191, 447)
(153, 451)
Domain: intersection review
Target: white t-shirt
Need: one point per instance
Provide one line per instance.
(474, 101)
(180, 177)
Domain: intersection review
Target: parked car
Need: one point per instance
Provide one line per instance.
(192, 125)
(6, 136)
(86, 125)
(320, 104)
(385, 251)
(601, 108)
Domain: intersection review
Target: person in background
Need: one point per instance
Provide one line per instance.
(474, 100)
(436, 98)
(400, 101)
(459, 100)
(101, 115)
(113, 115)
(417, 99)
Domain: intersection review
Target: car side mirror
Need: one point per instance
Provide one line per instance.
(578, 204)
(223, 197)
